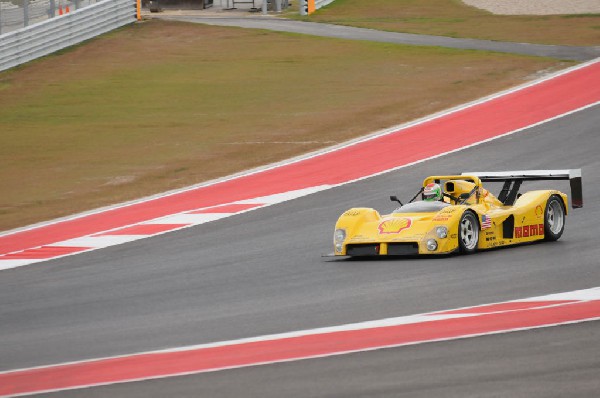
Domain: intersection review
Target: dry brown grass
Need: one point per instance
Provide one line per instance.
(162, 105)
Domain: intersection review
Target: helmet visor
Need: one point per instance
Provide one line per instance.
(431, 196)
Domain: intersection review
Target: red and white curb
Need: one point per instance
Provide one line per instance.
(146, 229)
(531, 313)
(447, 132)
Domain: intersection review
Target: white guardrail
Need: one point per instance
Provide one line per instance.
(309, 6)
(322, 3)
(26, 44)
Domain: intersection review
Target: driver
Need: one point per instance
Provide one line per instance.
(432, 192)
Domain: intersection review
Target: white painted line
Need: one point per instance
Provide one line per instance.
(285, 196)
(581, 295)
(98, 242)
(192, 219)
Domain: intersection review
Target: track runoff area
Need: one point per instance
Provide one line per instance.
(499, 115)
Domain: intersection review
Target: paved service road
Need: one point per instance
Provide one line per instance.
(352, 33)
(261, 273)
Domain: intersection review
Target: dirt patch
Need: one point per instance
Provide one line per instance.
(162, 105)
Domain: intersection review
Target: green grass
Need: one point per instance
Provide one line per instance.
(455, 19)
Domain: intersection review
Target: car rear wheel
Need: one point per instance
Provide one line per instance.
(554, 219)
(468, 233)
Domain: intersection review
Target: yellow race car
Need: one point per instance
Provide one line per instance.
(457, 214)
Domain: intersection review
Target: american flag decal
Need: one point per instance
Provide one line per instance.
(486, 222)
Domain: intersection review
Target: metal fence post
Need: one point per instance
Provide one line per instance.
(52, 10)
(25, 12)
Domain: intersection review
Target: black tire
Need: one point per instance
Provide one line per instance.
(554, 218)
(468, 233)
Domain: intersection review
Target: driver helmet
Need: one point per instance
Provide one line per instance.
(432, 192)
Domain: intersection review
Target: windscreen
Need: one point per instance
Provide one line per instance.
(421, 207)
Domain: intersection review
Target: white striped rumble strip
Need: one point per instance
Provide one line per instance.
(146, 229)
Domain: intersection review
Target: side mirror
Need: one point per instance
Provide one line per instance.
(394, 198)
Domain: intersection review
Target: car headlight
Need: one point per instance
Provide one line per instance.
(441, 232)
(339, 235)
(432, 245)
(338, 239)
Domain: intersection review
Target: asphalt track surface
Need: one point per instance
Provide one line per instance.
(578, 53)
(261, 272)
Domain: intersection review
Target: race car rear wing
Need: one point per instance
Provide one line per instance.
(513, 179)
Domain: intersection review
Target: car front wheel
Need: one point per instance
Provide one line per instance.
(468, 233)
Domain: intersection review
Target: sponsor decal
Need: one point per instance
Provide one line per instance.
(527, 231)
(490, 238)
(442, 217)
(454, 236)
(395, 225)
(539, 211)
(486, 222)
(352, 213)
(448, 210)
